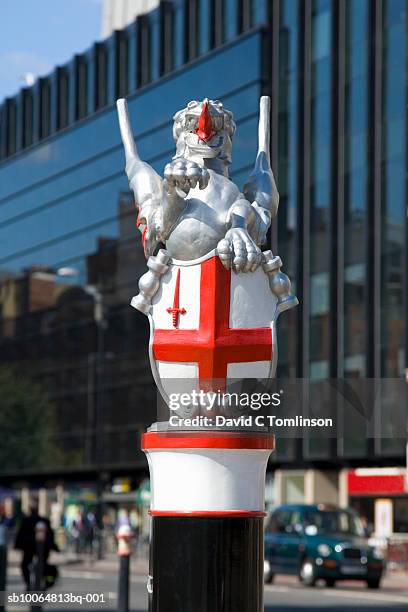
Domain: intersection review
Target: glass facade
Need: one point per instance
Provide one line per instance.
(321, 142)
(356, 182)
(287, 175)
(65, 203)
(393, 187)
(341, 230)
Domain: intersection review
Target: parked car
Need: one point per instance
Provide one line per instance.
(320, 542)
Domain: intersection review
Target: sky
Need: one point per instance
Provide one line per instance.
(36, 35)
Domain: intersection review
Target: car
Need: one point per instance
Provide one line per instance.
(320, 541)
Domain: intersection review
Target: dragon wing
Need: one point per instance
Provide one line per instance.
(145, 183)
(260, 188)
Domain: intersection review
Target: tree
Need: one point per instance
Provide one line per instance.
(27, 424)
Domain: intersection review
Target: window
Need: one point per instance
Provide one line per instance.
(320, 183)
(393, 222)
(204, 25)
(143, 53)
(191, 32)
(62, 98)
(332, 521)
(244, 16)
(44, 108)
(154, 50)
(280, 521)
(27, 117)
(179, 33)
(217, 19)
(81, 82)
(100, 75)
(319, 294)
(321, 36)
(121, 64)
(230, 19)
(166, 38)
(11, 126)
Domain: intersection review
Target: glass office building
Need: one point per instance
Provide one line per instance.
(337, 74)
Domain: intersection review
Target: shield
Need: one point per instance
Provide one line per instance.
(210, 326)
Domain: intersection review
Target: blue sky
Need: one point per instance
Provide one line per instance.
(36, 35)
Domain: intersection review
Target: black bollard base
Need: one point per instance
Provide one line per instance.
(123, 587)
(206, 564)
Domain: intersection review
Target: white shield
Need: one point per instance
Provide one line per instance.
(210, 326)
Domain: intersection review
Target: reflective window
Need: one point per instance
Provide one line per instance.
(27, 117)
(44, 108)
(11, 126)
(167, 40)
(80, 86)
(355, 194)
(144, 51)
(191, 29)
(91, 79)
(121, 65)
(101, 71)
(286, 173)
(217, 19)
(66, 204)
(111, 68)
(319, 294)
(393, 187)
(179, 34)
(320, 188)
(155, 44)
(230, 19)
(259, 12)
(204, 25)
(62, 97)
(132, 56)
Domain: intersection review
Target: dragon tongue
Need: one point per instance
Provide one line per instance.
(205, 126)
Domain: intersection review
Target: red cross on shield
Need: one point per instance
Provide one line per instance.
(213, 325)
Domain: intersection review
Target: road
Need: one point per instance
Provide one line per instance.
(285, 595)
(288, 596)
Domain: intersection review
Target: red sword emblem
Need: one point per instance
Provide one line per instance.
(176, 311)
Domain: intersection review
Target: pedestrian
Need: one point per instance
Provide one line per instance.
(26, 541)
(90, 529)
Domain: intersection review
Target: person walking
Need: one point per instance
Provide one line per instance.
(26, 541)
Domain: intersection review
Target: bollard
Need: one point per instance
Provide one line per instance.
(124, 537)
(3, 562)
(38, 573)
(211, 328)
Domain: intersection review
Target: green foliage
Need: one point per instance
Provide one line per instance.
(27, 423)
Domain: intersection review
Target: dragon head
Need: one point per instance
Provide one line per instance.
(204, 130)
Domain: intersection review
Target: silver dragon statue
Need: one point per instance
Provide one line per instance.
(196, 208)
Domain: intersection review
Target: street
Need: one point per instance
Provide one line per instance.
(285, 595)
(289, 596)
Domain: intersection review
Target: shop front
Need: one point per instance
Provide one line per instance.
(381, 497)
